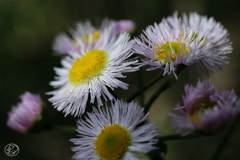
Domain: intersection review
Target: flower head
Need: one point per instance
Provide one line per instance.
(177, 41)
(22, 116)
(115, 132)
(85, 33)
(217, 36)
(166, 45)
(92, 73)
(205, 109)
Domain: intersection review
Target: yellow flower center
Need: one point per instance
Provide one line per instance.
(95, 36)
(87, 67)
(169, 51)
(112, 142)
(198, 109)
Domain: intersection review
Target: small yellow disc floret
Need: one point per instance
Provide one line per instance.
(169, 51)
(112, 142)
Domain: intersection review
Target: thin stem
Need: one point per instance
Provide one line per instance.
(65, 128)
(168, 83)
(140, 84)
(155, 95)
(225, 139)
(134, 95)
(178, 137)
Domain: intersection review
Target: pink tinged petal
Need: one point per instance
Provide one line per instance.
(205, 108)
(22, 116)
(181, 122)
(124, 26)
(63, 45)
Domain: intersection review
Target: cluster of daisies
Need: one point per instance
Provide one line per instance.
(93, 65)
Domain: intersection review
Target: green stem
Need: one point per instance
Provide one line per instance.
(134, 95)
(65, 128)
(140, 83)
(178, 137)
(155, 95)
(168, 83)
(225, 139)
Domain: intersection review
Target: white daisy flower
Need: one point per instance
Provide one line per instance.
(85, 31)
(116, 132)
(167, 45)
(91, 72)
(217, 36)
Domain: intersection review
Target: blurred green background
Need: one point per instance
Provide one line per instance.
(27, 31)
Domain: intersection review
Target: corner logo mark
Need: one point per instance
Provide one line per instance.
(11, 149)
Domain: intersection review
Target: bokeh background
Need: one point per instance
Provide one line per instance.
(27, 31)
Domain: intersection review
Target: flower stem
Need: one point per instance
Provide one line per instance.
(134, 95)
(155, 95)
(178, 137)
(65, 128)
(168, 83)
(225, 139)
(140, 83)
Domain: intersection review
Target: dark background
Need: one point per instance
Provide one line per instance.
(27, 31)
